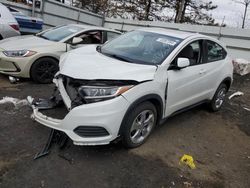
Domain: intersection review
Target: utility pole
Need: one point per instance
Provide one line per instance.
(33, 8)
(246, 3)
(245, 13)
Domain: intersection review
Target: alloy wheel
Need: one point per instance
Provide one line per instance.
(220, 97)
(142, 126)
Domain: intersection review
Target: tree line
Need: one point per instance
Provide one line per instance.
(178, 11)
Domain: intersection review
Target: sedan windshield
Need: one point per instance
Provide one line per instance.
(141, 47)
(59, 33)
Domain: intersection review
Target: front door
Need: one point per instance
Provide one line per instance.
(186, 86)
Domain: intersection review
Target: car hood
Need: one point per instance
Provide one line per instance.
(87, 63)
(27, 42)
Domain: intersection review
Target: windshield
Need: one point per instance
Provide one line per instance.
(141, 47)
(59, 33)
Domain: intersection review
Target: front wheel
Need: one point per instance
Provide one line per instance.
(138, 125)
(219, 98)
(43, 70)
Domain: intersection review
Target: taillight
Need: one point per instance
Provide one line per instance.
(15, 26)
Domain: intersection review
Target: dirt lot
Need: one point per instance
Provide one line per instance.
(219, 143)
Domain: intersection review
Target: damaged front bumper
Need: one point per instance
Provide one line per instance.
(87, 124)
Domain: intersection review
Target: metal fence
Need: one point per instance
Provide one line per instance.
(236, 40)
(54, 13)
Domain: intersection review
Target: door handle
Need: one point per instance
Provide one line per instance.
(202, 71)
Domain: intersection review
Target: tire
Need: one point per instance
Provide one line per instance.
(43, 70)
(135, 130)
(219, 98)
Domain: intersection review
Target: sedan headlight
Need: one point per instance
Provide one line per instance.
(100, 93)
(19, 53)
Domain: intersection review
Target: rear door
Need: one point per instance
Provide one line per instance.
(213, 61)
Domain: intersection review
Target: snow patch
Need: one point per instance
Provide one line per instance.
(18, 103)
(241, 66)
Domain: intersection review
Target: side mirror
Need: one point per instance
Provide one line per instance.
(98, 48)
(182, 62)
(76, 40)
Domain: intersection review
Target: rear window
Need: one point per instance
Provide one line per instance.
(215, 52)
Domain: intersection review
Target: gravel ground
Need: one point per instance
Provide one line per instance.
(219, 143)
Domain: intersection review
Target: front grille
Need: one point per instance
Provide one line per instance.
(91, 131)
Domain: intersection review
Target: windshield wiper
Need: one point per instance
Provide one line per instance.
(43, 37)
(122, 58)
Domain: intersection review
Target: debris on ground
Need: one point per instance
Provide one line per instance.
(187, 184)
(173, 183)
(55, 137)
(241, 66)
(187, 160)
(247, 109)
(238, 93)
(18, 103)
(13, 80)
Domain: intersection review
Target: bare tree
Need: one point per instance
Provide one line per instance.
(185, 11)
(246, 3)
(139, 9)
(180, 6)
(193, 11)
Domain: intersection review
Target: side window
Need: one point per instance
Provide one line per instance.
(91, 37)
(215, 52)
(193, 52)
(111, 35)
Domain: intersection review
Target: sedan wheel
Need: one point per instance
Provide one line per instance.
(43, 70)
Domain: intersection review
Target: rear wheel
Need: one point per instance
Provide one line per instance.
(219, 98)
(138, 125)
(43, 70)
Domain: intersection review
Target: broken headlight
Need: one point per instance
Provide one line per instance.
(100, 93)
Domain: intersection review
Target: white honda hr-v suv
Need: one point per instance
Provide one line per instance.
(125, 87)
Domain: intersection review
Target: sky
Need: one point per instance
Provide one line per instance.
(232, 11)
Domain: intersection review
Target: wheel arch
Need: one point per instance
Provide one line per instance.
(227, 81)
(155, 99)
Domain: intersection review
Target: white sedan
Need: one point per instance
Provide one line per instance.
(130, 84)
(37, 56)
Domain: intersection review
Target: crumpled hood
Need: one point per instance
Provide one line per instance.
(27, 42)
(87, 63)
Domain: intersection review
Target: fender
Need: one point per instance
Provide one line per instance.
(153, 98)
(228, 82)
